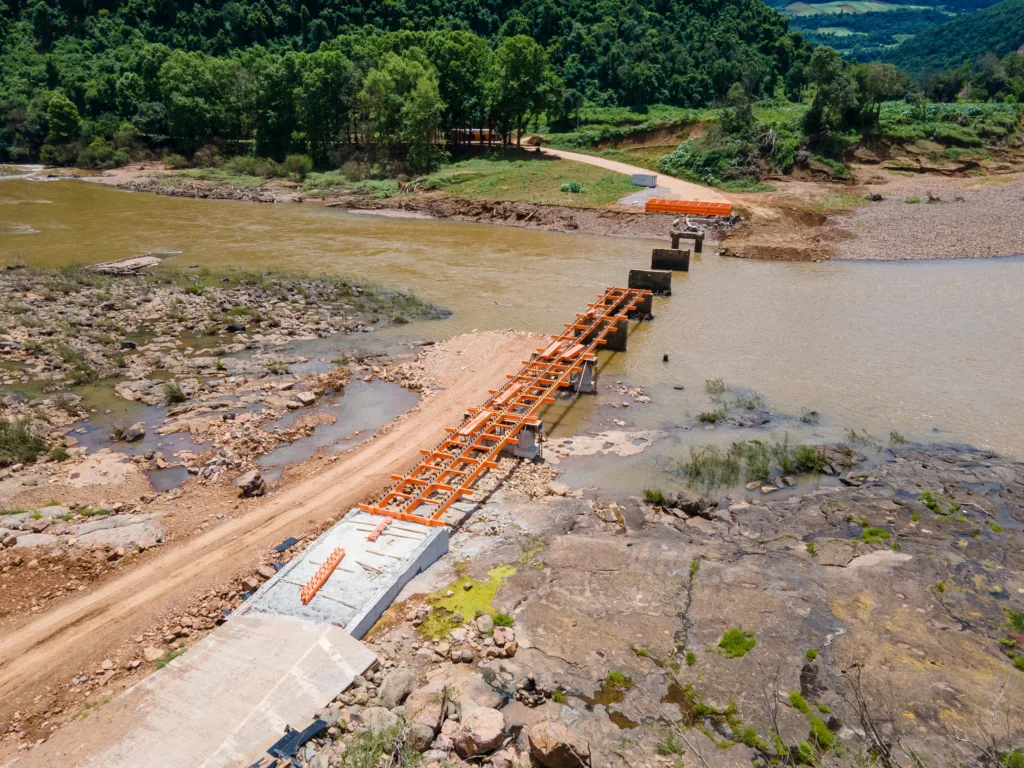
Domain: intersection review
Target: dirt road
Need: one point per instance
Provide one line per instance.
(51, 649)
(685, 189)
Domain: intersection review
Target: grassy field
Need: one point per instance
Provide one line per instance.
(853, 6)
(530, 180)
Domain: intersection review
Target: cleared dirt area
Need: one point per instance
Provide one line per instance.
(48, 649)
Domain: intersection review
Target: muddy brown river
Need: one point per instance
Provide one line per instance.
(934, 350)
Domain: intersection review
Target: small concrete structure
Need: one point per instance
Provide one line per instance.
(222, 703)
(529, 445)
(671, 259)
(697, 237)
(655, 280)
(365, 583)
(645, 179)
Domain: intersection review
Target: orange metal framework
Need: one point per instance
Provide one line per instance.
(449, 471)
(686, 206)
(321, 576)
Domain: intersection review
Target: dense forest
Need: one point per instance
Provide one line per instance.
(296, 75)
(996, 30)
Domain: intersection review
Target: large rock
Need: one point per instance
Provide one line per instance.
(419, 736)
(251, 483)
(555, 746)
(423, 706)
(378, 719)
(835, 552)
(482, 730)
(396, 687)
(136, 431)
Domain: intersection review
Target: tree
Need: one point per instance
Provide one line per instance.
(421, 117)
(64, 119)
(523, 85)
(192, 86)
(323, 99)
(463, 62)
(835, 92)
(876, 83)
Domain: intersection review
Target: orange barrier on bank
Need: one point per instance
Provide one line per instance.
(449, 470)
(659, 205)
(320, 578)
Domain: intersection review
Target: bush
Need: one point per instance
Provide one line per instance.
(206, 157)
(18, 445)
(99, 154)
(573, 186)
(173, 392)
(654, 496)
(175, 162)
(810, 459)
(298, 165)
(811, 654)
(798, 702)
(503, 620)
(59, 453)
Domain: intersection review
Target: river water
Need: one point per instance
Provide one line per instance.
(934, 350)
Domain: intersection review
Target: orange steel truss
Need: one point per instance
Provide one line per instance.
(686, 206)
(321, 576)
(450, 469)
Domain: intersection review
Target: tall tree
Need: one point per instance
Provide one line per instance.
(323, 99)
(523, 85)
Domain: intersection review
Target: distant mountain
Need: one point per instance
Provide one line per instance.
(998, 29)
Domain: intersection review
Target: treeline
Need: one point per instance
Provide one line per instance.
(89, 77)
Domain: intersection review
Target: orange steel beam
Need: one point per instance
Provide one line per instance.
(686, 206)
(449, 470)
(321, 576)
(376, 532)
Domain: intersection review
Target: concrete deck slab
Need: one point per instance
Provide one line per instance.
(365, 582)
(222, 703)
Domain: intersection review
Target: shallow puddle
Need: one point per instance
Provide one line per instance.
(360, 409)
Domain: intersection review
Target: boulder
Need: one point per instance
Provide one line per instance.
(423, 706)
(419, 736)
(482, 730)
(396, 686)
(149, 653)
(136, 431)
(306, 398)
(251, 483)
(555, 746)
(485, 624)
(266, 572)
(378, 719)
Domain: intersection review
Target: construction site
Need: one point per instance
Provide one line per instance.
(245, 693)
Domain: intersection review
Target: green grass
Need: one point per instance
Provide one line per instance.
(736, 643)
(712, 417)
(1014, 620)
(618, 679)
(838, 202)
(18, 445)
(798, 702)
(170, 656)
(503, 620)
(226, 177)
(524, 177)
(871, 535)
(654, 496)
(173, 393)
(691, 658)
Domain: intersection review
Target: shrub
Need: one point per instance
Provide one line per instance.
(736, 643)
(811, 654)
(99, 154)
(913, 199)
(59, 453)
(691, 658)
(558, 697)
(298, 165)
(18, 445)
(618, 679)
(573, 186)
(243, 165)
(714, 386)
(503, 620)
(206, 157)
(173, 392)
(711, 417)
(654, 496)
(810, 459)
(1015, 620)
(175, 162)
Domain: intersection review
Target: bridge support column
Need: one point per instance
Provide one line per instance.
(670, 258)
(697, 237)
(656, 281)
(529, 445)
(615, 341)
(585, 381)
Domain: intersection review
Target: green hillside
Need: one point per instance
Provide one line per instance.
(193, 70)
(998, 30)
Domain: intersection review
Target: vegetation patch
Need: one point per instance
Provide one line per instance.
(450, 611)
(18, 444)
(737, 642)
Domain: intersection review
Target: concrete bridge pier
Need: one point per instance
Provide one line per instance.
(671, 259)
(697, 237)
(585, 381)
(529, 445)
(615, 340)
